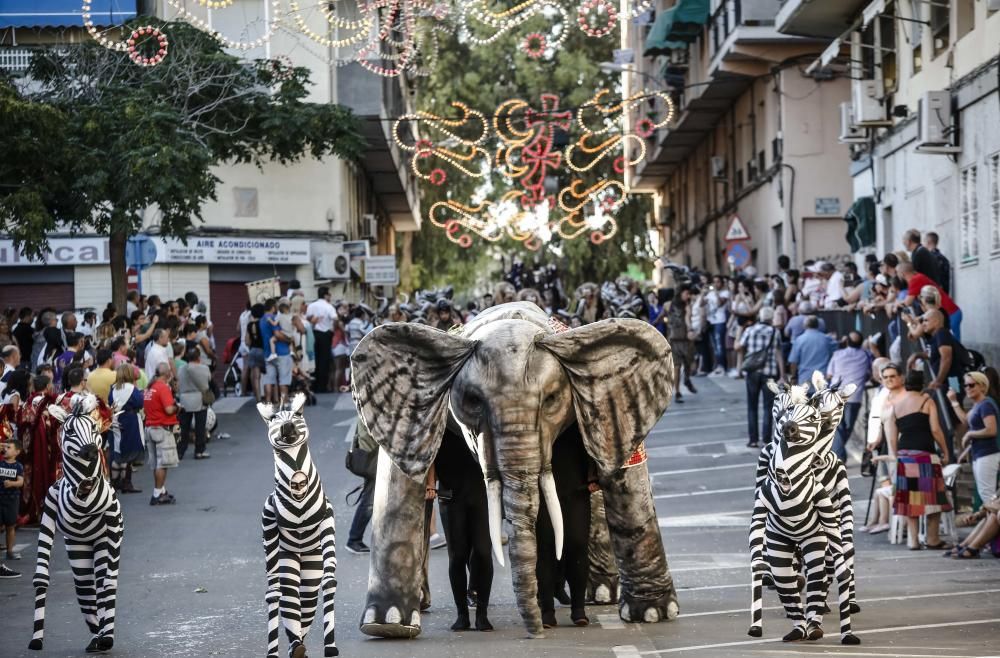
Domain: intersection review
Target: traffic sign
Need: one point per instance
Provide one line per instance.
(737, 230)
(132, 282)
(140, 252)
(738, 255)
(381, 270)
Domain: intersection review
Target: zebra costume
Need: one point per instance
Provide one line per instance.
(299, 541)
(793, 516)
(83, 506)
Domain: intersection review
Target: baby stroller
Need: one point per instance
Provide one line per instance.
(231, 381)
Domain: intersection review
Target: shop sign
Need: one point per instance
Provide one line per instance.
(238, 250)
(62, 251)
(828, 205)
(381, 270)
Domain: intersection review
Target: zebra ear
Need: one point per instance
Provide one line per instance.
(297, 403)
(58, 412)
(799, 393)
(819, 381)
(775, 387)
(266, 411)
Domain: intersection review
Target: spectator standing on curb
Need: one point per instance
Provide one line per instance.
(194, 395)
(916, 281)
(161, 421)
(810, 351)
(278, 374)
(797, 324)
(322, 315)
(764, 340)
(23, 333)
(941, 262)
(368, 453)
(849, 365)
(159, 352)
(103, 377)
(679, 334)
(12, 480)
(920, 256)
(128, 441)
(717, 300)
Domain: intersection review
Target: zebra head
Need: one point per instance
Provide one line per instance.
(81, 444)
(829, 400)
(785, 395)
(286, 428)
(791, 461)
(800, 425)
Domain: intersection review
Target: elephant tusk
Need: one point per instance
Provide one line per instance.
(548, 486)
(493, 503)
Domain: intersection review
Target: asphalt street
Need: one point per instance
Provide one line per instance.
(192, 575)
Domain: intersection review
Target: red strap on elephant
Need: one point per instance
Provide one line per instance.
(638, 457)
(557, 326)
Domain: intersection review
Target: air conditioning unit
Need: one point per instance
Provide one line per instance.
(330, 261)
(369, 227)
(866, 96)
(718, 168)
(993, 5)
(850, 133)
(934, 124)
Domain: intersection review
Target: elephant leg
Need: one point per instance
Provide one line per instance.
(647, 589)
(602, 585)
(392, 608)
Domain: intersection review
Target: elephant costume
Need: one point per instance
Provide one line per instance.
(513, 384)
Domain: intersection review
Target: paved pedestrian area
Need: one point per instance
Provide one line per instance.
(192, 575)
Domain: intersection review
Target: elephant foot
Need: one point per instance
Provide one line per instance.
(664, 608)
(462, 622)
(483, 622)
(755, 631)
(35, 645)
(850, 639)
(604, 594)
(390, 623)
(797, 635)
(549, 619)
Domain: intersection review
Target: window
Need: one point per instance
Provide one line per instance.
(965, 17)
(970, 215)
(245, 201)
(917, 34)
(887, 47)
(995, 203)
(940, 26)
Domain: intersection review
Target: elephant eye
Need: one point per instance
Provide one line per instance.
(473, 402)
(551, 399)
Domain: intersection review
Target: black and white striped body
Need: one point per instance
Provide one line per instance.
(83, 506)
(299, 537)
(793, 519)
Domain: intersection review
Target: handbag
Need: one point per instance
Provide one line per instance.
(757, 360)
(867, 465)
(207, 397)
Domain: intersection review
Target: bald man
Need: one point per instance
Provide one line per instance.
(947, 355)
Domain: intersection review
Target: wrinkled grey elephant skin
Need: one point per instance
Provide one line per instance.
(602, 584)
(513, 385)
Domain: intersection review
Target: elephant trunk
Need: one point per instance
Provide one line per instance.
(521, 500)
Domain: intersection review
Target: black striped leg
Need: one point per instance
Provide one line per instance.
(756, 602)
(780, 557)
(310, 575)
(289, 604)
(106, 559)
(81, 561)
(846, 508)
(328, 585)
(813, 562)
(844, 580)
(272, 596)
(40, 581)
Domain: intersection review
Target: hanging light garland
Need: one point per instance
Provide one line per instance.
(597, 18)
(534, 45)
(142, 37)
(236, 44)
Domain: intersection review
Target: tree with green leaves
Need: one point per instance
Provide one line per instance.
(484, 76)
(93, 142)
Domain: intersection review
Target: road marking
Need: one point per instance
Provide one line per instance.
(345, 402)
(709, 492)
(683, 471)
(698, 428)
(350, 431)
(711, 520)
(626, 651)
(942, 572)
(612, 622)
(691, 412)
(892, 629)
(907, 597)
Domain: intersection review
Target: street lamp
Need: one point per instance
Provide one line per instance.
(611, 67)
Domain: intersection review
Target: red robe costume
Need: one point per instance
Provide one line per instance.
(43, 465)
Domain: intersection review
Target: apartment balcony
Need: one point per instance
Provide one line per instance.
(817, 18)
(376, 100)
(742, 37)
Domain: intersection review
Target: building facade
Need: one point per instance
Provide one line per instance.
(290, 221)
(923, 130)
(754, 136)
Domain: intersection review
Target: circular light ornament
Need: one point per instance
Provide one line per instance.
(534, 45)
(645, 128)
(438, 177)
(139, 41)
(597, 18)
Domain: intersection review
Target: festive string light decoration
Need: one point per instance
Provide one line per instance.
(142, 38)
(274, 18)
(534, 45)
(597, 17)
(469, 131)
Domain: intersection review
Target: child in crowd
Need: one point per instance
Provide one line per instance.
(281, 321)
(12, 477)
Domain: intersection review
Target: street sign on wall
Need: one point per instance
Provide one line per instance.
(828, 205)
(381, 271)
(140, 252)
(737, 230)
(738, 255)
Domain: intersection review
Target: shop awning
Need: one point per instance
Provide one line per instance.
(677, 27)
(860, 220)
(64, 13)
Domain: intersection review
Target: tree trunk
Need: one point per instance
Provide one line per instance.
(119, 276)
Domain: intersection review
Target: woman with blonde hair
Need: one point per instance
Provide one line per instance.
(128, 441)
(982, 435)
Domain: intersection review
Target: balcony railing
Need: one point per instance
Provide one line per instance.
(732, 14)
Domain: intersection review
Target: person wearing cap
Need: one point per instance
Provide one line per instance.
(446, 315)
(755, 338)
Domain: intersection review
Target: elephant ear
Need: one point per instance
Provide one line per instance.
(621, 374)
(401, 375)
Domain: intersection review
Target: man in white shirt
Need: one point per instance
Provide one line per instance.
(322, 315)
(834, 285)
(718, 304)
(159, 352)
(11, 360)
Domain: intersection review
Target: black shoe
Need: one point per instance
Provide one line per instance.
(202, 455)
(358, 548)
(102, 644)
(579, 617)
(462, 622)
(483, 622)
(690, 385)
(6, 572)
(797, 635)
(562, 596)
(549, 619)
(814, 632)
(163, 499)
(753, 444)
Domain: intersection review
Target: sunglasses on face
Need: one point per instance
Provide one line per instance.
(968, 385)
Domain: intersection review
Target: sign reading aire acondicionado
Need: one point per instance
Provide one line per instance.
(207, 250)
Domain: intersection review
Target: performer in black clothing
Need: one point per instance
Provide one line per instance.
(465, 517)
(573, 472)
